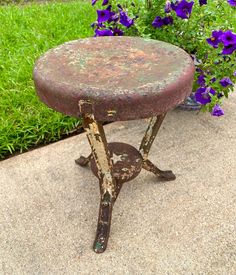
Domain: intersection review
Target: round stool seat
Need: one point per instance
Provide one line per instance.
(123, 77)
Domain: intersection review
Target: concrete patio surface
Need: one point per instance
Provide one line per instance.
(49, 205)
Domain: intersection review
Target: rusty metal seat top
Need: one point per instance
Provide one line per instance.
(123, 77)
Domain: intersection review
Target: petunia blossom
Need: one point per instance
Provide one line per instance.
(228, 38)
(168, 20)
(202, 2)
(105, 2)
(158, 22)
(168, 8)
(202, 95)
(215, 38)
(125, 19)
(103, 32)
(183, 9)
(117, 32)
(232, 3)
(103, 15)
(225, 82)
(229, 49)
(201, 80)
(217, 111)
(114, 18)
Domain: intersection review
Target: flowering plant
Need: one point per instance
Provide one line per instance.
(205, 29)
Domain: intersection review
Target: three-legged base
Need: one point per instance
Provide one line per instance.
(115, 163)
(127, 164)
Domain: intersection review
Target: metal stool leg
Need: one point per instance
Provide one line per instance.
(164, 175)
(83, 161)
(148, 139)
(108, 186)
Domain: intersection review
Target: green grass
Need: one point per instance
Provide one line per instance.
(27, 32)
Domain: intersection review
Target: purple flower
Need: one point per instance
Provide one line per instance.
(117, 32)
(217, 111)
(213, 79)
(125, 19)
(97, 25)
(220, 95)
(228, 38)
(168, 20)
(168, 7)
(158, 22)
(215, 38)
(103, 32)
(202, 2)
(225, 82)
(94, 2)
(109, 8)
(201, 80)
(232, 3)
(183, 9)
(114, 18)
(105, 2)
(229, 49)
(234, 74)
(199, 70)
(103, 15)
(202, 95)
(174, 5)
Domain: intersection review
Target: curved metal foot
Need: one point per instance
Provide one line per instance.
(104, 220)
(83, 161)
(103, 228)
(164, 175)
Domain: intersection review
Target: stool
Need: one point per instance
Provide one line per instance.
(106, 79)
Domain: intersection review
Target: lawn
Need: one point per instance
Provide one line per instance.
(27, 32)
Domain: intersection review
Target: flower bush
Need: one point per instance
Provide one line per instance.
(204, 28)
